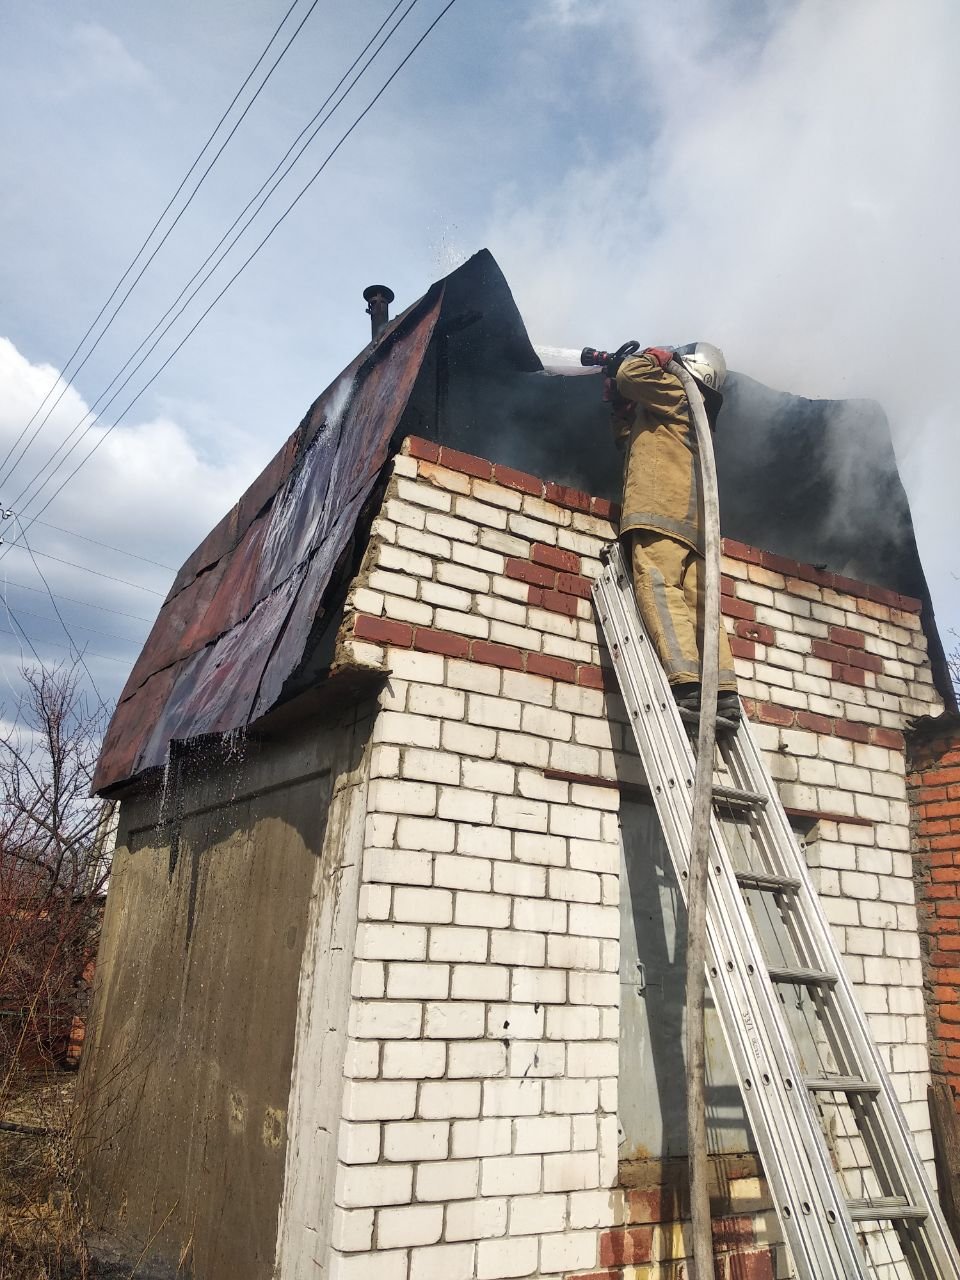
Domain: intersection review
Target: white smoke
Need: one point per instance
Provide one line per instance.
(795, 203)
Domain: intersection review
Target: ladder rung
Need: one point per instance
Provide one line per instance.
(806, 977)
(840, 1084)
(886, 1208)
(744, 799)
(761, 880)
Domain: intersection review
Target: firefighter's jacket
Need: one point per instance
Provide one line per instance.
(661, 478)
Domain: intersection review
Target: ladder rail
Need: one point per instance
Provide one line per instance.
(815, 1215)
(743, 1000)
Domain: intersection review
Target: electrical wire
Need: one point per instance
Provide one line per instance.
(357, 121)
(72, 533)
(109, 635)
(21, 546)
(74, 647)
(88, 604)
(56, 644)
(98, 404)
(7, 473)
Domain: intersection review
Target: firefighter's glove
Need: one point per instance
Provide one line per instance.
(662, 355)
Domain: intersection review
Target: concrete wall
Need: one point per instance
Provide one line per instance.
(186, 1083)
(480, 1132)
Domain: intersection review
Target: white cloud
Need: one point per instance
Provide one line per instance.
(98, 57)
(795, 203)
(146, 489)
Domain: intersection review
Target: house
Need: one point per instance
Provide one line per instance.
(388, 983)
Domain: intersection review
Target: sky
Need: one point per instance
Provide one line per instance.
(774, 175)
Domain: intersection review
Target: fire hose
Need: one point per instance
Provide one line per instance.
(700, 840)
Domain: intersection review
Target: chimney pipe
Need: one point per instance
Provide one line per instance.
(378, 298)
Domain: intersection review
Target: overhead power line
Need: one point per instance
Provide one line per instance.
(152, 232)
(100, 404)
(21, 546)
(106, 545)
(358, 119)
(22, 586)
(110, 657)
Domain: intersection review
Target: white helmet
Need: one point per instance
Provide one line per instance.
(705, 362)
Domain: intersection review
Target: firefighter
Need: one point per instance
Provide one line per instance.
(661, 525)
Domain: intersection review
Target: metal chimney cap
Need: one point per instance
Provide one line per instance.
(378, 291)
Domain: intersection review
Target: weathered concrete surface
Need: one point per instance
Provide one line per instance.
(186, 1080)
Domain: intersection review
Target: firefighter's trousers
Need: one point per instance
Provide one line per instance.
(668, 581)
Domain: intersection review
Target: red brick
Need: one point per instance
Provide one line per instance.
(728, 585)
(852, 730)
(810, 573)
(770, 713)
(743, 648)
(383, 631)
(828, 651)
(541, 664)
(848, 638)
(756, 631)
(557, 602)
(564, 496)
(729, 1232)
(445, 642)
(910, 604)
(598, 1275)
(942, 777)
(468, 463)
(737, 608)
(867, 661)
(589, 677)
(740, 551)
(849, 675)
(605, 510)
(426, 450)
(626, 1245)
(511, 479)
(817, 723)
(752, 1266)
(659, 1204)
(849, 585)
(891, 738)
(575, 585)
(779, 564)
(536, 574)
(553, 557)
(882, 595)
(497, 655)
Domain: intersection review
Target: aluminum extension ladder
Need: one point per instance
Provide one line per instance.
(850, 1189)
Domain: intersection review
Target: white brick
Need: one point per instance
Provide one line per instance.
(361, 1060)
(475, 1220)
(469, 740)
(483, 1059)
(540, 915)
(368, 980)
(393, 867)
(385, 1020)
(406, 730)
(358, 1143)
(573, 953)
(489, 1137)
(540, 849)
(456, 943)
(497, 713)
(512, 1098)
(390, 1266)
(448, 1180)
(573, 886)
(570, 1097)
(525, 1021)
(521, 748)
(485, 909)
(424, 906)
(536, 690)
(394, 584)
(391, 942)
(405, 562)
(418, 981)
(427, 700)
(441, 1261)
(576, 1023)
(449, 1020)
(541, 1134)
(595, 922)
(536, 1058)
(595, 855)
(352, 1229)
(461, 575)
(571, 1250)
(458, 871)
(488, 775)
(514, 947)
(489, 842)
(597, 1058)
(529, 1214)
(361, 1186)
(520, 878)
(428, 834)
(509, 1175)
(449, 1100)
(480, 982)
(391, 797)
(413, 1224)
(538, 986)
(419, 1060)
(516, 1256)
(575, 1171)
(416, 1140)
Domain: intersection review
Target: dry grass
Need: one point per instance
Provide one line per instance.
(40, 1223)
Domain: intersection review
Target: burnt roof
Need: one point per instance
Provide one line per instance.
(241, 622)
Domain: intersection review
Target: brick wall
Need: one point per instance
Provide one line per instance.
(934, 781)
(480, 1103)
